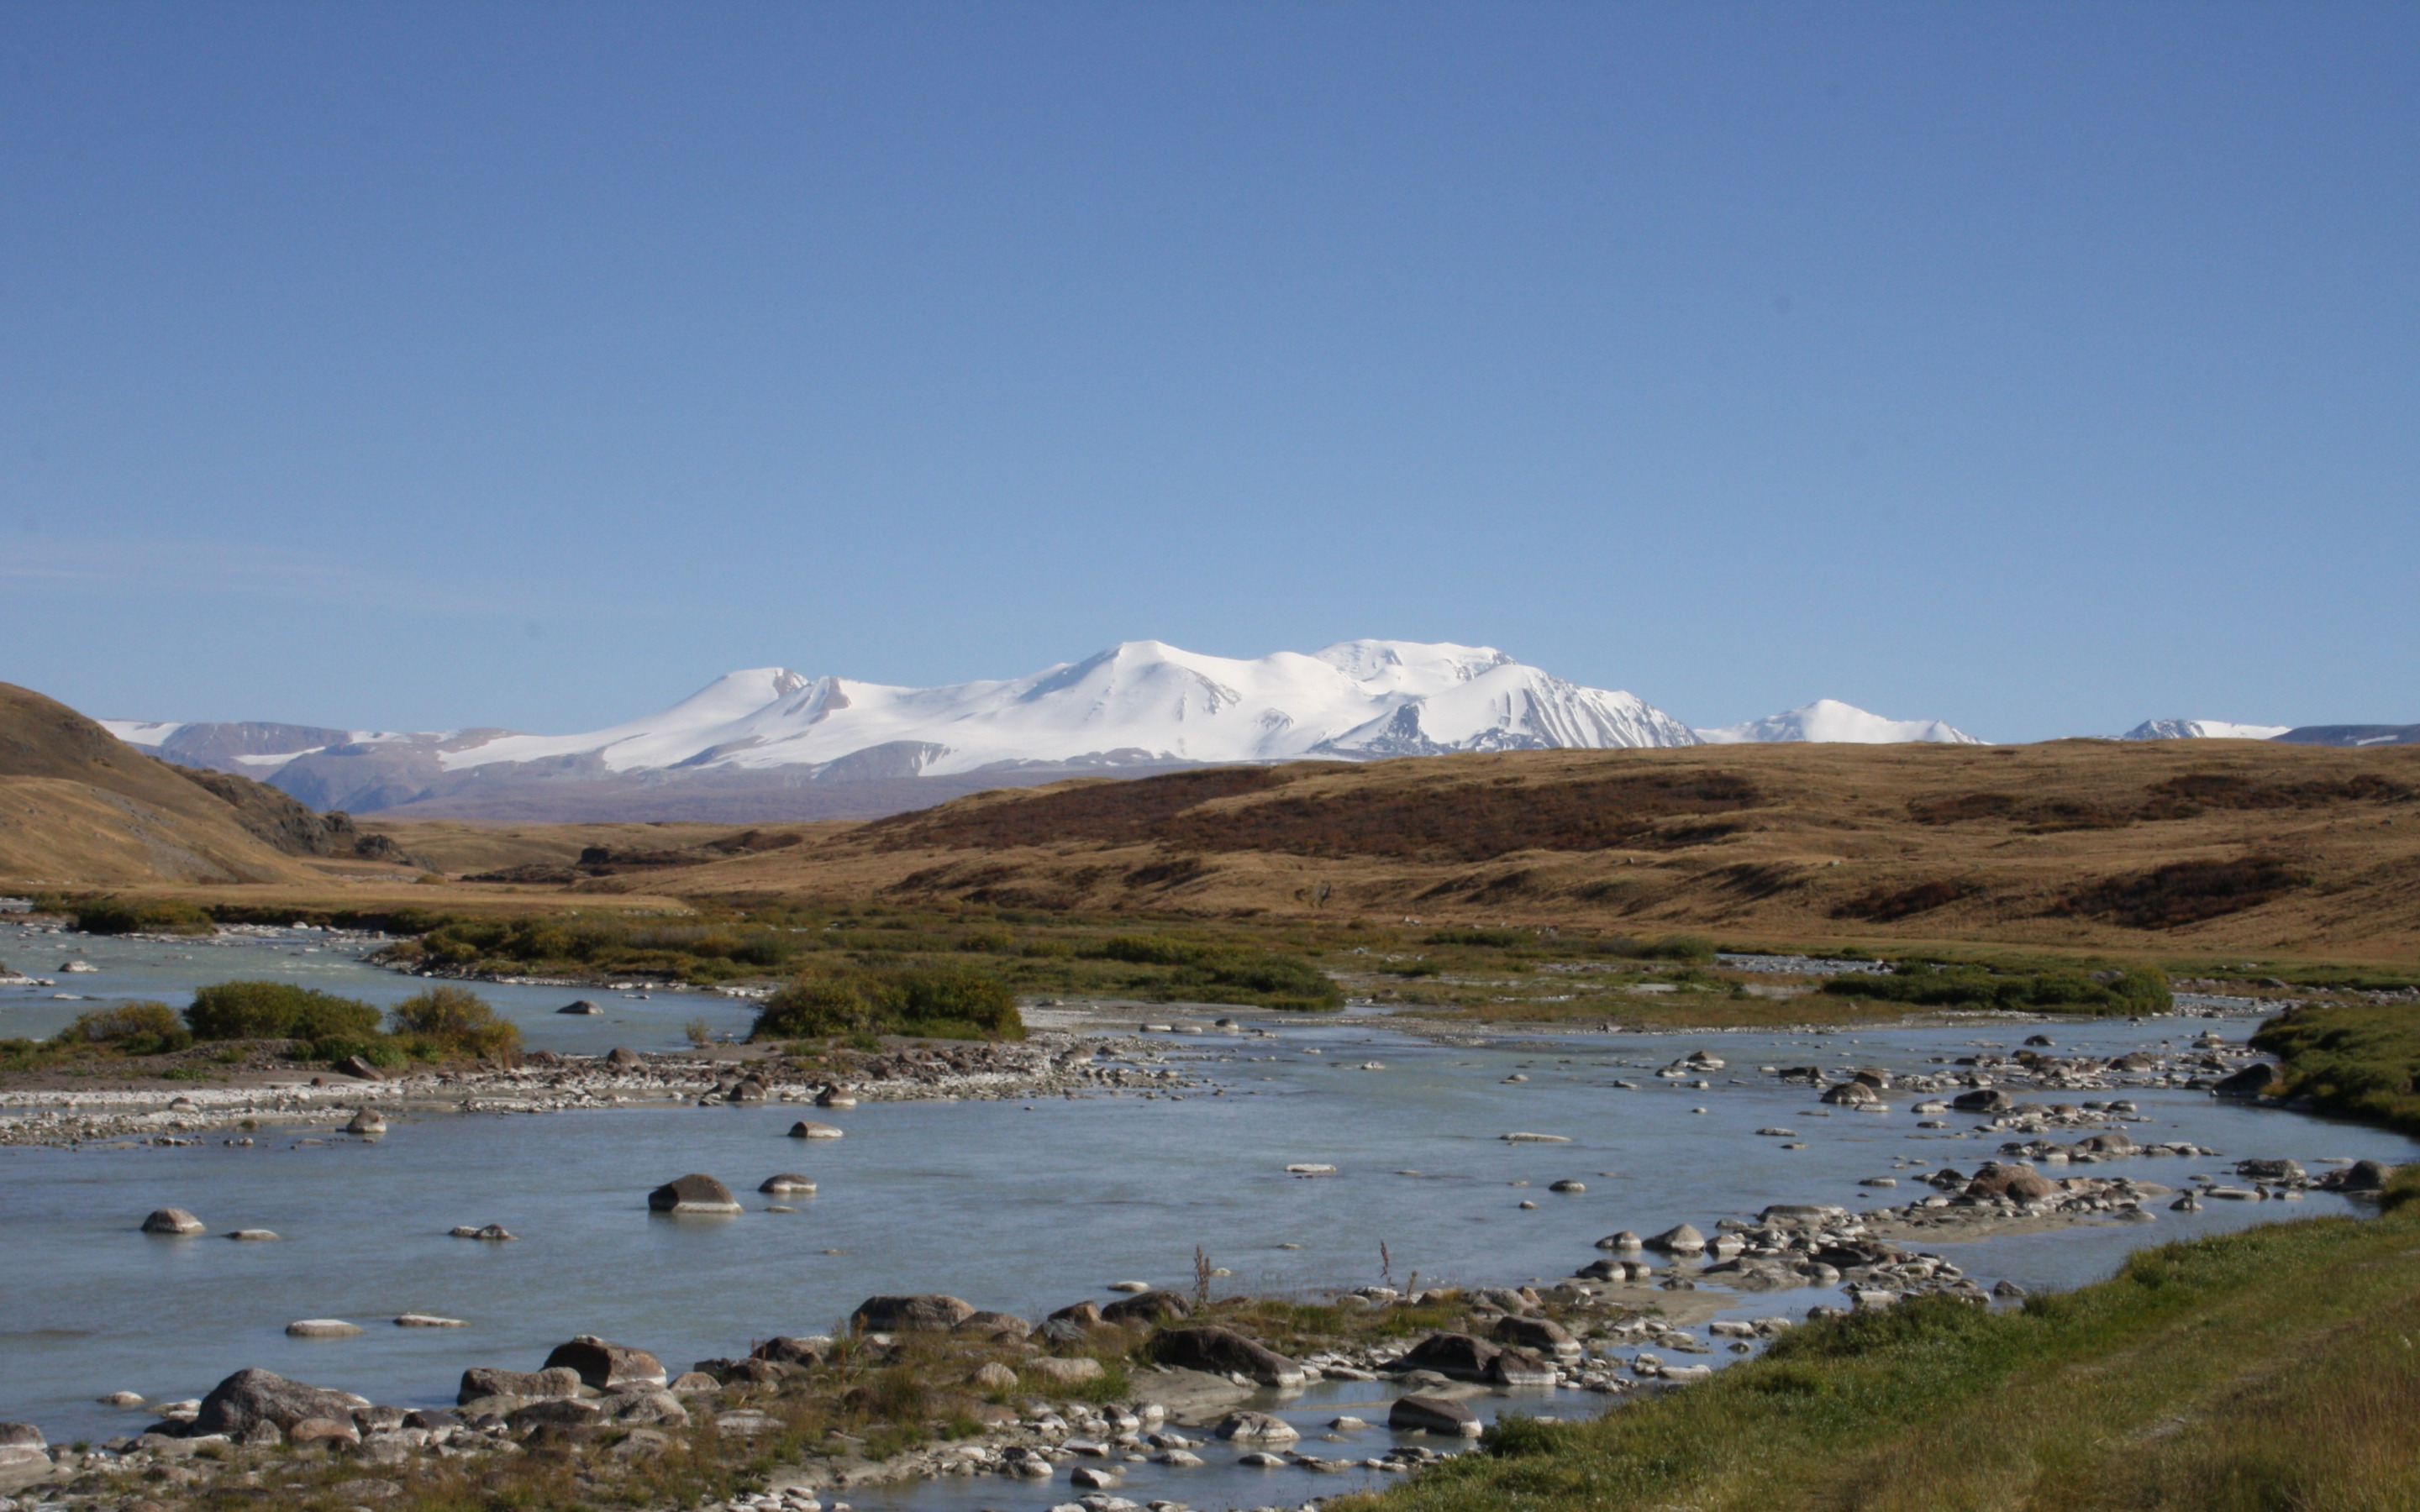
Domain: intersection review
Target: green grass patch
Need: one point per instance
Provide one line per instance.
(2260, 1371)
(2356, 1061)
(1924, 984)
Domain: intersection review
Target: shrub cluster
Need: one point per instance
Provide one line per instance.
(118, 916)
(134, 1028)
(452, 1021)
(949, 1001)
(1924, 984)
(440, 1023)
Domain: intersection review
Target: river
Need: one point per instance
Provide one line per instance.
(1023, 1207)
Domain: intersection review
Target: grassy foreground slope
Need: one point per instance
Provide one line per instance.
(2275, 1368)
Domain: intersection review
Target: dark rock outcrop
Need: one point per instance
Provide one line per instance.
(1224, 1352)
(931, 1313)
(1146, 1307)
(695, 1192)
(251, 1397)
(607, 1366)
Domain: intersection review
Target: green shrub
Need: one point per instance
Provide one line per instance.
(117, 915)
(277, 1010)
(454, 1019)
(1146, 950)
(136, 1028)
(949, 1000)
(1924, 984)
(1500, 939)
(1271, 980)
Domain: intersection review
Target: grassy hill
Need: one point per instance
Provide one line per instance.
(80, 809)
(2173, 847)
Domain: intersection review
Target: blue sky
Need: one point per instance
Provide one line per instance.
(2042, 368)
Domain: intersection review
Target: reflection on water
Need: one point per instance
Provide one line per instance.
(1024, 1207)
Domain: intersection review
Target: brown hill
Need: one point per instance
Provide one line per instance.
(80, 809)
(2181, 846)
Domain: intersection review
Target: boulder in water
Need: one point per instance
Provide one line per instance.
(254, 1396)
(172, 1221)
(607, 1366)
(1223, 1352)
(582, 1006)
(1431, 1415)
(694, 1193)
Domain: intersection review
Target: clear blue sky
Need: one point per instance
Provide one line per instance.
(2038, 367)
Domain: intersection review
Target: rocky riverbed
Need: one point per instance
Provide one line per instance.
(275, 1094)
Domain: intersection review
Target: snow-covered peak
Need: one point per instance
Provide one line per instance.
(1138, 703)
(1829, 719)
(2203, 729)
(147, 733)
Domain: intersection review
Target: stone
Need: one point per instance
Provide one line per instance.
(1083, 1314)
(791, 1348)
(1851, 1094)
(1519, 1367)
(581, 1005)
(993, 1376)
(559, 1411)
(2019, 1182)
(1542, 1335)
(1681, 1239)
(479, 1380)
(2007, 1291)
(1132, 1288)
(251, 1397)
(929, 1313)
(1431, 1415)
(1223, 1352)
(606, 1366)
(693, 1384)
(251, 1236)
(312, 1430)
(810, 1128)
(122, 1398)
(2270, 1170)
(495, 1232)
(1458, 1355)
(1177, 1459)
(695, 1192)
(1984, 1100)
(835, 1096)
(2366, 1176)
(427, 1321)
(361, 1068)
(2253, 1081)
(321, 1328)
(366, 1121)
(749, 1090)
(992, 1325)
(1620, 1238)
(1519, 1138)
(1147, 1307)
(624, 1058)
(1256, 1427)
(658, 1406)
(1065, 1370)
(1262, 1459)
(172, 1221)
(788, 1184)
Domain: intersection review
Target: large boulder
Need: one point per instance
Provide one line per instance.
(2365, 1175)
(1006, 1327)
(1431, 1415)
(1256, 1427)
(254, 1396)
(2270, 1170)
(172, 1221)
(1851, 1094)
(1542, 1335)
(1146, 1307)
(694, 1193)
(22, 1449)
(607, 1366)
(2018, 1183)
(1519, 1367)
(537, 1386)
(2113, 1142)
(1224, 1352)
(1681, 1239)
(2253, 1081)
(788, 1348)
(1081, 1314)
(1984, 1100)
(1459, 1355)
(904, 1315)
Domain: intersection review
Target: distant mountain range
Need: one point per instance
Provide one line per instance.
(770, 744)
(2309, 734)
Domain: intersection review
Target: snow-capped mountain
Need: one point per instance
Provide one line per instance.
(1136, 706)
(2203, 729)
(1829, 719)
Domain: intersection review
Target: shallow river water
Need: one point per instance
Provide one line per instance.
(1022, 1207)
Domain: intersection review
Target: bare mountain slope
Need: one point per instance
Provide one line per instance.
(78, 807)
